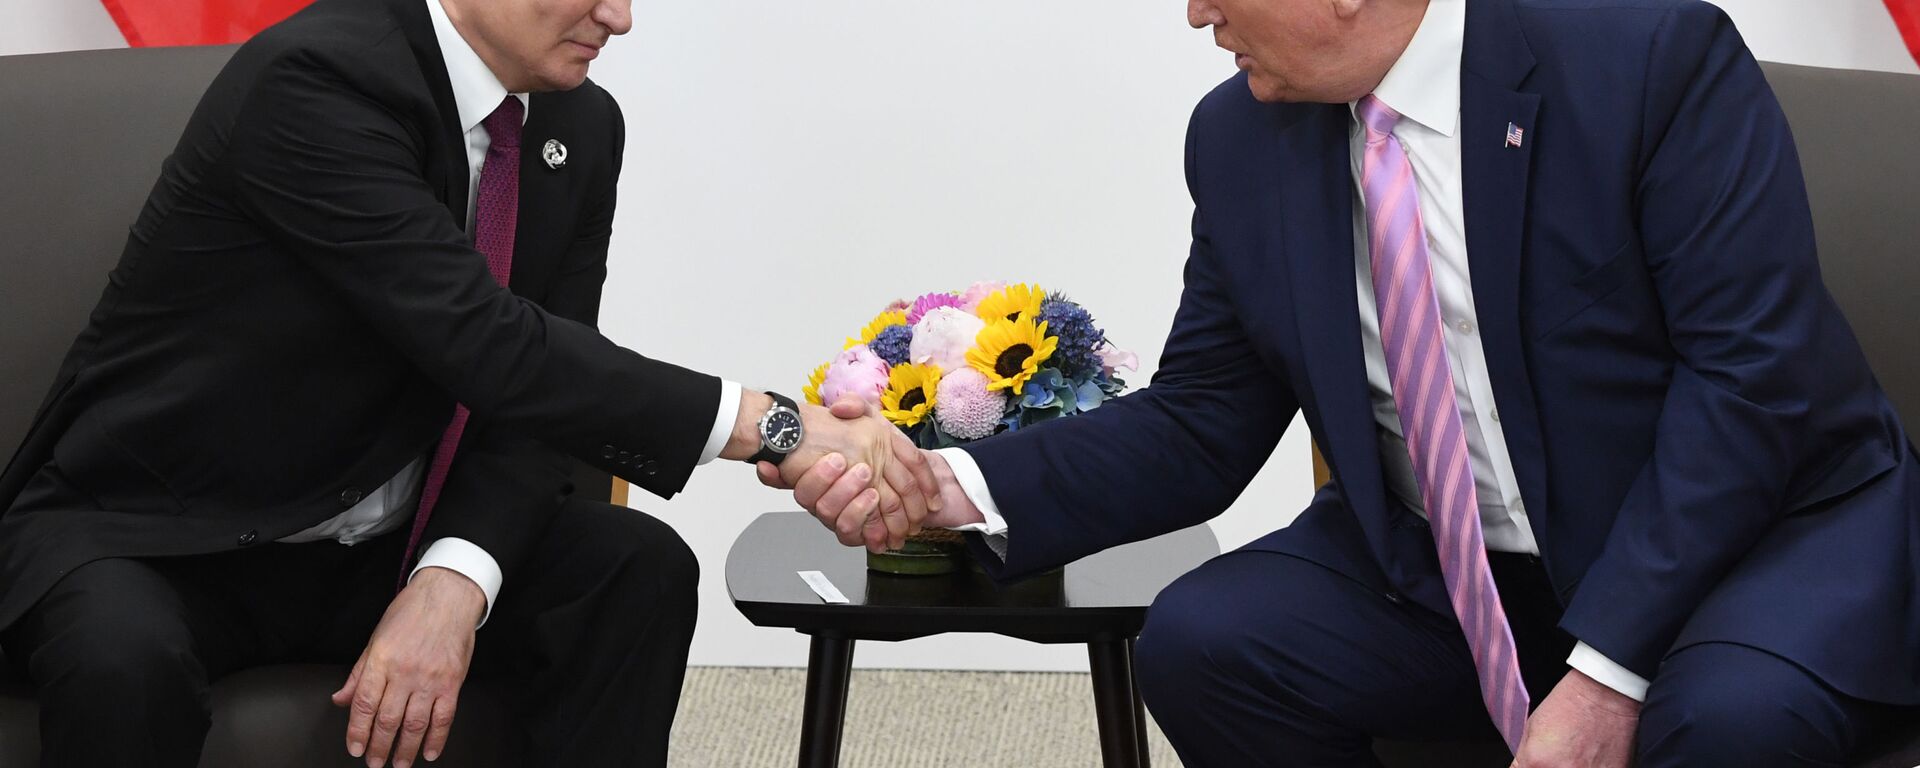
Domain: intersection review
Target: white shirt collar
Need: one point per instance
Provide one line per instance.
(1424, 85)
(476, 91)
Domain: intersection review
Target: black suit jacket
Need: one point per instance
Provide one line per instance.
(298, 308)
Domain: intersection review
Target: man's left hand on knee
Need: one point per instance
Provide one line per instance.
(403, 690)
(1581, 723)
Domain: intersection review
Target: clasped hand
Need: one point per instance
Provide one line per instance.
(891, 490)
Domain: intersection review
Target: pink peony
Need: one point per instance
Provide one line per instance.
(898, 305)
(943, 337)
(1113, 358)
(857, 373)
(965, 408)
(928, 303)
(971, 297)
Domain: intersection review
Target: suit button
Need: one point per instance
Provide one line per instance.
(1395, 598)
(606, 452)
(247, 539)
(650, 468)
(350, 497)
(625, 457)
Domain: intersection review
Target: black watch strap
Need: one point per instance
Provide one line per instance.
(766, 453)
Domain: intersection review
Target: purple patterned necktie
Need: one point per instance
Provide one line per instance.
(496, 211)
(1422, 378)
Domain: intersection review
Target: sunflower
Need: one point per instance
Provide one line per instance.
(910, 394)
(884, 321)
(812, 389)
(1011, 302)
(1008, 352)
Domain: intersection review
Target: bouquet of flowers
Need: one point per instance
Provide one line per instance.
(954, 367)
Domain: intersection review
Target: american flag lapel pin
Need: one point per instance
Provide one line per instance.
(1514, 135)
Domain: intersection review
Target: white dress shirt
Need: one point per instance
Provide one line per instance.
(477, 92)
(1424, 87)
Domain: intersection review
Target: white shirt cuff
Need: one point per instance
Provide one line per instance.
(1605, 672)
(973, 483)
(722, 421)
(467, 559)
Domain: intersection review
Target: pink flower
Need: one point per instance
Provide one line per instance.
(898, 305)
(965, 408)
(971, 297)
(943, 337)
(923, 305)
(1113, 358)
(857, 373)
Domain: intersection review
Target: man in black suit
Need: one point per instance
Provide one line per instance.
(244, 452)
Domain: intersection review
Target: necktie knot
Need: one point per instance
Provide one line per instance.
(503, 126)
(1378, 118)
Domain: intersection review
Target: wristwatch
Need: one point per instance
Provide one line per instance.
(780, 430)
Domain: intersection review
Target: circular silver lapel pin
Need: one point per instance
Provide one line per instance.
(555, 153)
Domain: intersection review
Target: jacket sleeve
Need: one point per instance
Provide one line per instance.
(338, 180)
(1728, 239)
(1171, 455)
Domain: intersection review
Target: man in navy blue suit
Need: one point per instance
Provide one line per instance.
(1666, 515)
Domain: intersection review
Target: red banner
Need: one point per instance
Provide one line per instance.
(196, 22)
(1906, 15)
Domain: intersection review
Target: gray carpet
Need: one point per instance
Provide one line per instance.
(750, 718)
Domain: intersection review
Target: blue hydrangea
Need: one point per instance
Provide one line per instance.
(1079, 339)
(891, 344)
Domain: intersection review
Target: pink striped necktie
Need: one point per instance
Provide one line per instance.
(496, 212)
(1422, 379)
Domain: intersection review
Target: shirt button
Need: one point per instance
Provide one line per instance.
(1465, 327)
(1520, 506)
(247, 539)
(350, 497)
(1496, 414)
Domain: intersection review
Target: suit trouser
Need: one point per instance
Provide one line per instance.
(594, 628)
(1264, 659)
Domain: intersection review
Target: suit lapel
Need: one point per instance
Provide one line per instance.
(450, 160)
(1317, 238)
(1495, 62)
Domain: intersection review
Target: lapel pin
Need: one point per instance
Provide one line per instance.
(555, 153)
(1514, 136)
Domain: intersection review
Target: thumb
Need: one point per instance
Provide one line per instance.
(345, 694)
(849, 408)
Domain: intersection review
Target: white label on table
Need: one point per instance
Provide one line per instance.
(822, 587)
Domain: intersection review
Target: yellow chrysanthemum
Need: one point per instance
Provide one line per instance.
(1008, 352)
(881, 323)
(812, 389)
(1011, 302)
(910, 393)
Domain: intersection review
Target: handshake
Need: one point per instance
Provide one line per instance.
(856, 473)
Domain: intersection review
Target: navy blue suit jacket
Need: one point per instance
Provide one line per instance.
(1702, 450)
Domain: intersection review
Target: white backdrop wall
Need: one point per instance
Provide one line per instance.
(793, 166)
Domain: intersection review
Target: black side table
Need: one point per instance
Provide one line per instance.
(1101, 601)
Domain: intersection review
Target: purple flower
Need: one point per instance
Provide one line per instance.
(892, 343)
(923, 305)
(856, 373)
(1080, 341)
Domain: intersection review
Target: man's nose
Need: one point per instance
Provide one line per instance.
(615, 15)
(1202, 14)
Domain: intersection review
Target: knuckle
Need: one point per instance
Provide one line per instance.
(386, 722)
(414, 724)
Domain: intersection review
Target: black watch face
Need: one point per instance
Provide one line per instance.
(782, 431)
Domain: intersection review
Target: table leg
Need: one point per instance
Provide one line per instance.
(1115, 704)
(829, 665)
